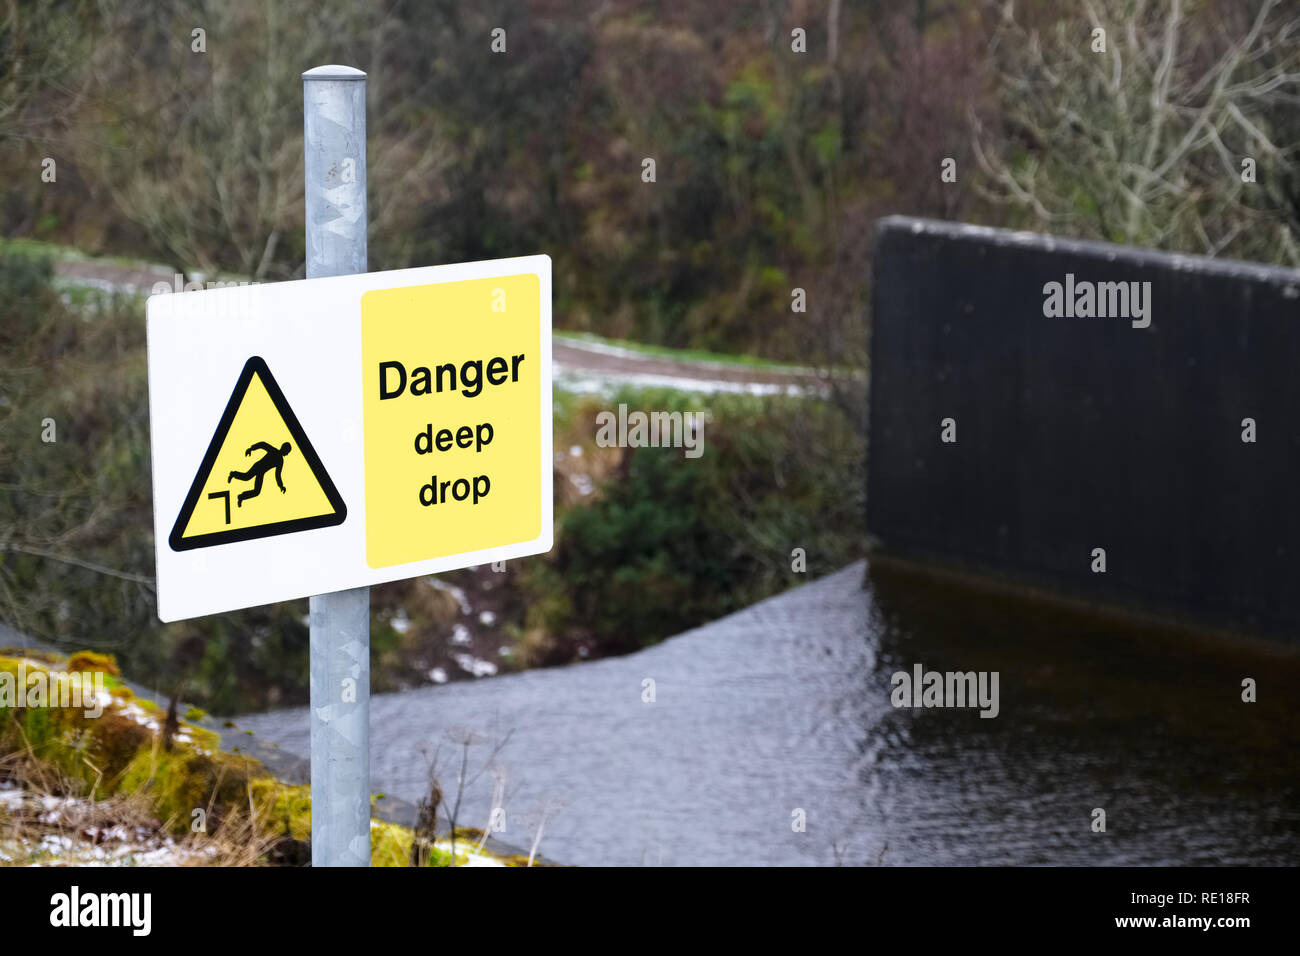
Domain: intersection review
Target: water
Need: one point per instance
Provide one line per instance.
(786, 706)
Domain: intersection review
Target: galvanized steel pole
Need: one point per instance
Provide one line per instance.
(334, 127)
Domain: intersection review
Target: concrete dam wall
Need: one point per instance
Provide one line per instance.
(1107, 423)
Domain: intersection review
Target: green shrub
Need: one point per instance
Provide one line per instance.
(25, 282)
(671, 542)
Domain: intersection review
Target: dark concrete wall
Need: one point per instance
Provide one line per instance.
(1083, 433)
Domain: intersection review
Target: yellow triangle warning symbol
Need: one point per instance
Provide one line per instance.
(260, 476)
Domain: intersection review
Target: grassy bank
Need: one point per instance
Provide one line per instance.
(124, 782)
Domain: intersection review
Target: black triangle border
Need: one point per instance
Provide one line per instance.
(256, 365)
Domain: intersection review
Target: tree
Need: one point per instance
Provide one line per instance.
(40, 42)
(203, 148)
(1141, 139)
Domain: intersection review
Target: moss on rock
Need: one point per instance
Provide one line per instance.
(120, 751)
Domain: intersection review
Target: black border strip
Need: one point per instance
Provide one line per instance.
(256, 365)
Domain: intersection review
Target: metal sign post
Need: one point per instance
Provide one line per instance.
(334, 142)
(352, 485)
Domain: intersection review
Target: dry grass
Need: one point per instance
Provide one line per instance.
(107, 790)
(48, 817)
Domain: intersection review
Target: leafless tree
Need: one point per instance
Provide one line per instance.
(39, 42)
(1145, 135)
(498, 803)
(467, 775)
(550, 807)
(203, 150)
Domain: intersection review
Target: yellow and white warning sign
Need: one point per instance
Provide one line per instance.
(453, 433)
(260, 476)
(326, 434)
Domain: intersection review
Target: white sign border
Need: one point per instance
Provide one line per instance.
(185, 588)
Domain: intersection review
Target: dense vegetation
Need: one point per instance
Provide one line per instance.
(669, 543)
(172, 131)
(770, 164)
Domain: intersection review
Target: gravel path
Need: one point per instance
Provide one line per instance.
(585, 365)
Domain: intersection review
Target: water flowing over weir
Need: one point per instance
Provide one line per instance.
(785, 706)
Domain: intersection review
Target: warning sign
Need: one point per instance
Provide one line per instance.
(260, 476)
(452, 423)
(325, 434)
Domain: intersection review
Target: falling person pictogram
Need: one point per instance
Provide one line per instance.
(274, 458)
(256, 409)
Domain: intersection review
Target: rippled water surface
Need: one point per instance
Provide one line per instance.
(786, 706)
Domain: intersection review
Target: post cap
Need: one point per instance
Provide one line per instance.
(334, 72)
